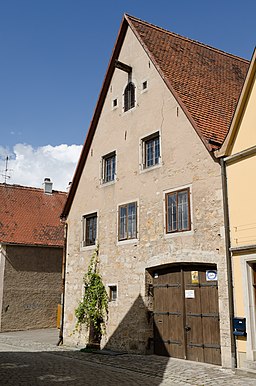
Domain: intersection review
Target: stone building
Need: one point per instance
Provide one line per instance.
(148, 188)
(31, 249)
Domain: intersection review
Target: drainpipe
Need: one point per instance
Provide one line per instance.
(63, 285)
(228, 261)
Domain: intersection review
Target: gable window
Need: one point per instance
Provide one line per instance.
(178, 211)
(151, 151)
(145, 85)
(127, 221)
(114, 103)
(129, 96)
(89, 229)
(109, 167)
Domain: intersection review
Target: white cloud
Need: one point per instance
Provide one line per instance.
(29, 166)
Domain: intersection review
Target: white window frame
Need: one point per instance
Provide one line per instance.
(185, 232)
(83, 225)
(134, 240)
(142, 151)
(103, 168)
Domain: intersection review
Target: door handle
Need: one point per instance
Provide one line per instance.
(187, 328)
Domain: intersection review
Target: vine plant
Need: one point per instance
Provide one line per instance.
(92, 310)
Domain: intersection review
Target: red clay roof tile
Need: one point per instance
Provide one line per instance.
(29, 216)
(207, 81)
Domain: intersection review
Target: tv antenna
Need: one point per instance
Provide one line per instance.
(6, 170)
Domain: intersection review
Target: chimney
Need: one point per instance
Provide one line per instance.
(69, 186)
(47, 185)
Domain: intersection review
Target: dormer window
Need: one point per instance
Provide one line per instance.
(129, 96)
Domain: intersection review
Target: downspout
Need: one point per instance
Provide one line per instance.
(228, 261)
(63, 285)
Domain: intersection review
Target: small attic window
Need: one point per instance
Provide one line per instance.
(129, 96)
(145, 85)
(114, 103)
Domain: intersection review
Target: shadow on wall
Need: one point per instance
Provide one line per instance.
(134, 334)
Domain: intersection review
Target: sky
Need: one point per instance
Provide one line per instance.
(54, 55)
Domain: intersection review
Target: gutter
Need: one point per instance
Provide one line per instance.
(241, 155)
(228, 262)
(60, 341)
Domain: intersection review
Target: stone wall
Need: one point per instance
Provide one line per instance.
(32, 287)
(184, 162)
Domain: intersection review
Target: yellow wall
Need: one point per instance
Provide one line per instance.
(242, 202)
(242, 205)
(246, 136)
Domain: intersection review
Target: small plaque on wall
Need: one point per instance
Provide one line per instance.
(189, 294)
(211, 275)
(194, 277)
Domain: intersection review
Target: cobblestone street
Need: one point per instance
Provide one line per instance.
(32, 358)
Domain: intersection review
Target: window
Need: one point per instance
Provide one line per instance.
(127, 221)
(129, 96)
(89, 229)
(114, 103)
(112, 293)
(178, 211)
(151, 151)
(145, 85)
(109, 167)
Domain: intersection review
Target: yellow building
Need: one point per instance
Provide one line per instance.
(239, 163)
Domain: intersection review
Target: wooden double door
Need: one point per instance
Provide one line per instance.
(186, 313)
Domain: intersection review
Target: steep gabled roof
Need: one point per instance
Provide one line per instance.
(29, 216)
(228, 143)
(205, 81)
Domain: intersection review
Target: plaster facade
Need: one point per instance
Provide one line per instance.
(240, 169)
(185, 162)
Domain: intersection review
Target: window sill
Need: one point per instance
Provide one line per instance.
(149, 168)
(109, 183)
(178, 234)
(130, 110)
(87, 247)
(127, 242)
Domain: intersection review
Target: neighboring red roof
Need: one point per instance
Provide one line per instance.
(205, 81)
(31, 217)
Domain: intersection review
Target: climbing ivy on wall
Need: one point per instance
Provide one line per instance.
(92, 310)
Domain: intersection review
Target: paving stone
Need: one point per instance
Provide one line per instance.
(34, 359)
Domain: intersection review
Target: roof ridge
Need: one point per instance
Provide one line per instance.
(17, 186)
(186, 38)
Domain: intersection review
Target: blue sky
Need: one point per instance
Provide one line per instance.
(54, 54)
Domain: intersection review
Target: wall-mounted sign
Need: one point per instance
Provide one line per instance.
(189, 294)
(194, 277)
(211, 275)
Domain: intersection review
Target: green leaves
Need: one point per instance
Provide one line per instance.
(93, 308)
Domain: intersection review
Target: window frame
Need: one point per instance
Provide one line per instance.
(127, 238)
(85, 229)
(112, 290)
(114, 103)
(177, 230)
(144, 142)
(129, 100)
(144, 86)
(104, 173)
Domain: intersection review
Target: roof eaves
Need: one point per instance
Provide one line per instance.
(95, 119)
(31, 245)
